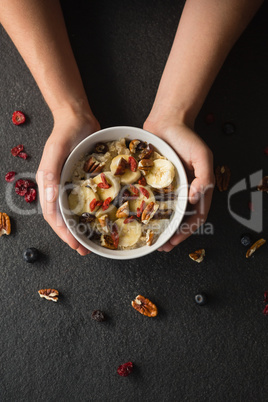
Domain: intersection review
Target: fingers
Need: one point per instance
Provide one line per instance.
(204, 176)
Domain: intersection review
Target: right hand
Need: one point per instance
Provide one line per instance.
(69, 129)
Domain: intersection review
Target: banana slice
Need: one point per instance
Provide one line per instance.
(161, 174)
(129, 233)
(80, 198)
(128, 177)
(108, 192)
(136, 202)
(110, 211)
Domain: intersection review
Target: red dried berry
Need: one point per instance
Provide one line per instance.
(129, 219)
(115, 235)
(134, 190)
(145, 192)
(22, 186)
(266, 297)
(266, 151)
(133, 164)
(18, 118)
(265, 311)
(141, 208)
(142, 181)
(16, 150)
(125, 369)
(30, 196)
(106, 203)
(104, 183)
(10, 176)
(94, 204)
(22, 155)
(210, 118)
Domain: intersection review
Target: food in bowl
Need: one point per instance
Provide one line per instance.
(123, 194)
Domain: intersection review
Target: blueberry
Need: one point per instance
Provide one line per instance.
(31, 254)
(246, 240)
(98, 315)
(201, 299)
(229, 128)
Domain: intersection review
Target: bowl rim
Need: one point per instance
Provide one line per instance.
(141, 251)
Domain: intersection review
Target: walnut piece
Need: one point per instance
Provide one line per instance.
(123, 211)
(149, 212)
(104, 222)
(49, 294)
(254, 247)
(263, 186)
(223, 174)
(145, 165)
(93, 166)
(107, 241)
(144, 306)
(5, 226)
(198, 255)
(147, 152)
(149, 237)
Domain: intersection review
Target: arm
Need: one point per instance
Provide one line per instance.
(38, 31)
(207, 31)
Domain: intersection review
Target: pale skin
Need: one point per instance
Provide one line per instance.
(207, 31)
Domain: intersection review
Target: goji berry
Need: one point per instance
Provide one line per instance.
(10, 176)
(125, 369)
(142, 181)
(141, 208)
(30, 196)
(115, 235)
(104, 183)
(22, 155)
(94, 204)
(129, 219)
(18, 118)
(133, 164)
(106, 203)
(134, 190)
(265, 311)
(16, 150)
(145, 192)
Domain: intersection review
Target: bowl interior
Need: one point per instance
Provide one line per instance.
(112, 134)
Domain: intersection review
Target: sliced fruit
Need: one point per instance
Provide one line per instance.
(110, 211)
(80, 198)
(129, 233)
(112, 191)
(161, 174)
(136, 202)
(129, 176)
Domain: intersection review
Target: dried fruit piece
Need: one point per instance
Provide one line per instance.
(106, 203)
(104, 183)
(18, 118)
(141, 208)
(147, 152)
(86, 217)
(145, 165)
(163, 214)
(98, 315)
(144, 192)
(123, 211)
(115, 235)
(263, 186)
(149, 237)
(49, 294)
(22, 155)
(22, 186)
(149, 212)
(10, 176)
(134, 190)
(31, 255)
(166, 190)
(254, 247)
(265, 311)
(5, 225)
(101, 148)
(136, 145)
(125, 369)
(265, 297)
(16, 150)
(93, 166)
(94, 204)
(107, 241)
(125, 196)
(201, 299)
(142, 181)
(129, 219)
(121, 167)
(30, 195)
(144, 306)
(198, 255)
(133, 164)
(223, 175)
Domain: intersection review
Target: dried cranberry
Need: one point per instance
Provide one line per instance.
(10, 176)
(125, 369)
(18, 118)
(22, 186)
(30, 196)
(265, 311)
(266, 297)
(16, 150)
(22, 155)
(210, 118)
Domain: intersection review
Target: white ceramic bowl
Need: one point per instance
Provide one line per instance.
(111, 134)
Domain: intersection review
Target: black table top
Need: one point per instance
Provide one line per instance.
(54, 351)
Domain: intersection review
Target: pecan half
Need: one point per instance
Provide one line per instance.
(198, 255)
(254, 247)
(144, 306)
(107, 241)
(49, 294)
(145, 165)
(149, 237)
(149, 212)
(93, 166)
(123, 211)
(121, 167)
(136, 145)
(5, 226)
(163, 214)
(263, 186)
(104, 222)
(147, 152)
(166, 190)
(223, 174)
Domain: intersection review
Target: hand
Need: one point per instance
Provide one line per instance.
(198, 162)
(69, 129)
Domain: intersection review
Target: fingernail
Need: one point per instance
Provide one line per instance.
(50, 193)
(196, 197)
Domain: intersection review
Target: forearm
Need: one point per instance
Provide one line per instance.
(207, 31)
(38, 31)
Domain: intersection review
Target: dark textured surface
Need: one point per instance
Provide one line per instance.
(55, 352)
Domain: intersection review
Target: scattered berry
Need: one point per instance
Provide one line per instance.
(210, 118)
(98, 315)
(31, 255)
(266, 297)
(18, 118)
(125, 369)
(10, 176)
(22, 187)
(200, 299)
(246, 240)
(22, 155)
(265, 311)
(16, 150)
(229, 128)
(30, 196)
